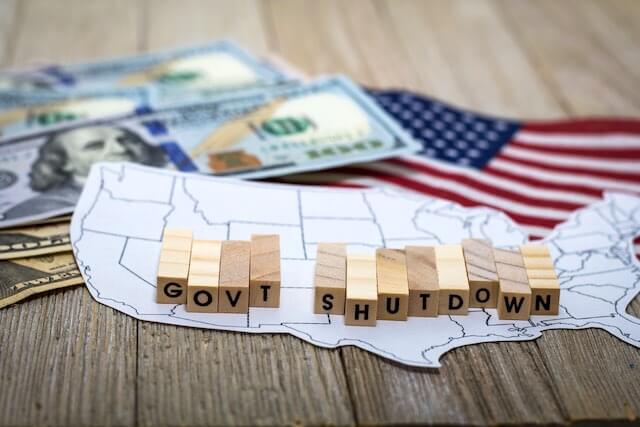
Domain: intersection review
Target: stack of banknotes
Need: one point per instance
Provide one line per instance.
(213, 109)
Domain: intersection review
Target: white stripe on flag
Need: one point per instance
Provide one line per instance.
(588, 164)
(478, 196)
(561, 177)
(505, 183)
(555, 140)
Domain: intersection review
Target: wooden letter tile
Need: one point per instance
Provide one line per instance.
(545, 289)
(173, 266)
(362, 291)
(330, 279)
(264, 283)
(204, 276)
(235, 259)
(423, 281)
(481, 271)
(393, 287)
(452, 280)
(514, 298)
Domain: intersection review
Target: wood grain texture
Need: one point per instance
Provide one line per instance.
(204, 276)
(545, 288)
(66, 360)
(393, 287)
(514, 296)
(453, 283)
(189, 376)
(478, 257)
(8, 21)
(173, 266)
(562, 60)
(76, 30)
(71, 361)
(264, 282)
(330, 278)
(361, 304)
(235, 259)
(490, 56)
(422, 277)
(481, 271)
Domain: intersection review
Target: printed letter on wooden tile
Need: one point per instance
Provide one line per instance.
(452, 280)
(481, 271)
(330, 279)
(423, 281)
(233, 294)
(204, 276)
(545, 289)
(362, 291)
(173, 268)
(393, 287)
(264, 285)
(514, 298)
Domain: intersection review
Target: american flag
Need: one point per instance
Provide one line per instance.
(537, 172)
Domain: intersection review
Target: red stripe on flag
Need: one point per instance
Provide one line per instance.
(632, 178)
(620, 153)
(572, 188)
(490, 189)
(585, 126)
(448, 195)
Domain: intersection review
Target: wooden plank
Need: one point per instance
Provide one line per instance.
(171, 23)
(469, 57)
(584, 71)
(8, 20)
(76, 31)
(482, 384)
(601, 383)
(64, 347)
(190, 376)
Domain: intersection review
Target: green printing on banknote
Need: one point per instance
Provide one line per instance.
(257, 134)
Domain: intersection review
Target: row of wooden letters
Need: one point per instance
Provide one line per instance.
(428, 281)
(218, 276)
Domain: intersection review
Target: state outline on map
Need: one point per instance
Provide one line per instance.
(481, 325)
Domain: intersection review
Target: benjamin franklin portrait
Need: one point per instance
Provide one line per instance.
(65, 158)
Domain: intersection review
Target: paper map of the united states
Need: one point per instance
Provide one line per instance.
(118, 223)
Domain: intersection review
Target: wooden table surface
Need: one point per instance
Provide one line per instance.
(67, 360)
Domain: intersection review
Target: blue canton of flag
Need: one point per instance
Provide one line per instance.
(448, 134)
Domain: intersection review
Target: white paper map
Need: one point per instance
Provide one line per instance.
(118, 223)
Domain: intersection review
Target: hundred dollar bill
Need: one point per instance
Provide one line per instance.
(220, 65)
(322, 124)
(22, 112)
(131, 86)
(29, 112)
(23, 277)
(34, 240)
